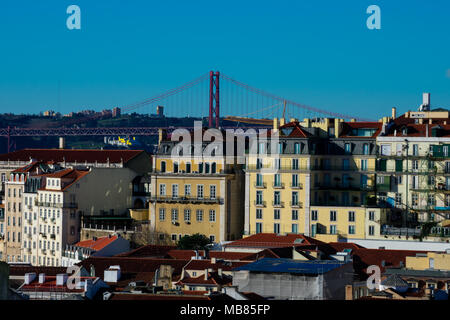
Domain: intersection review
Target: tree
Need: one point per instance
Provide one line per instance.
(195, 242)
(145, 236)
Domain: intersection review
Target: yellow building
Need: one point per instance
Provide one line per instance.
(319, 182)
(429, 260)
(195, 194)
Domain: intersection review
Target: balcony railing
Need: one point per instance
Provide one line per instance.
(171, 199)
(261, 185)
(296, 204)
(279, 185)
(278, 204)
(259, 203)
(297, 185)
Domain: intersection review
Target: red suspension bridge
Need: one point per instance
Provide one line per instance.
(242, 104)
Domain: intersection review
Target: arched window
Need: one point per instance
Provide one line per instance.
(213, 167)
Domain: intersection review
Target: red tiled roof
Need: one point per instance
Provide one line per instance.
(348, 126)
(73, 174)
(72, 155)
(131, 265)
(362, 258)
(18, 270)
(297, 131)
(418, 130)
(272, 240)
(50, 285)
(213, 280)
(149, 251)
(97, 244)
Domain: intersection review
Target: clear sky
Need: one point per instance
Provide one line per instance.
(318, 53)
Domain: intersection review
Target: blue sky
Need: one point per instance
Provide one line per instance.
(319, 53)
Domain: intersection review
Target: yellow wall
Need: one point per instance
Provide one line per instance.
(441, 261)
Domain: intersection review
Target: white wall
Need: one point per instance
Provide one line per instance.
(402, 244)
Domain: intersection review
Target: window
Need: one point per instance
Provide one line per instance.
(415, 149)
(276, 198)
(162, 214)
(276, 228)
(261, 147)
(364, 165)
(297, 148)
(187, 215)
(213, 167)
(371, 230)
(332, 215)
(187, 190)
(415, 165)
(162, 189)
(175, 191)
(347, 148)
(276, 214)
(175, 167)
(212, 215)
(351, 229)
(365, 148)
(294, 214)
(351, 216)
(199, 214)
(207, 167)
(314, 215)
(200, 191)
(294, 164)
(258, 227)
(212, 238)
(398, 200)
(277, 180)
(163, 166)
(371, 215)
(295, 180)
(345, 164)
(174, 237)
(188, 167)
(259, 197)
(259, 180)
(174, 214)
(294, 228)
(414, 200)
(259, 214)
(212, 191)
(333, 229)
(295, 198)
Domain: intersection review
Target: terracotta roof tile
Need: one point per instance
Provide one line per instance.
(97, 244)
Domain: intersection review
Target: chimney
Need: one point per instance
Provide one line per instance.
(394, 112)
(206, 274)
(426, 100)
(219, 272)
(213, 260)
(41, 277)
(29, 277)
(112, 274)
(61, 279)
(62, 142)
(282, 122)
(276, 124)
